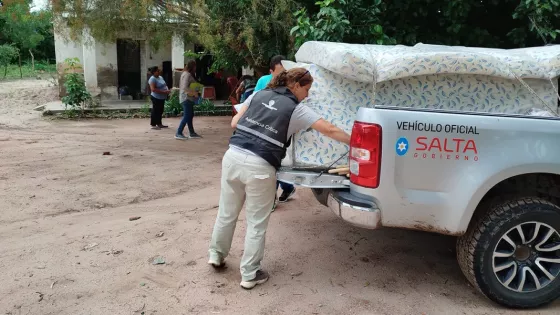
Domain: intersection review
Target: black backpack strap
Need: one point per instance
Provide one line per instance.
(288, 143)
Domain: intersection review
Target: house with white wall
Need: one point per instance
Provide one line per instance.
(124, 62)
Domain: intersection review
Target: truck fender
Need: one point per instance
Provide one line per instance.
(497, 178)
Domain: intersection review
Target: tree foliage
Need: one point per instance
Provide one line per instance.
(155, 20)
(30, 32)
(8, 53)
(493, 23)
(249, 32)
(245, 32)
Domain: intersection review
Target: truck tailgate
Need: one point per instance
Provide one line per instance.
(312, 178)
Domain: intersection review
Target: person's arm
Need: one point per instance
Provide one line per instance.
(240, 88)
(304, 118)
(190, 80)
(241, 111)
(331, 131)
(238, 116)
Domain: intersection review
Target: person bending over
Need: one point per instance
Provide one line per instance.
(263, 128)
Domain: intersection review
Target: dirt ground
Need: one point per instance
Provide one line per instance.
(67, 245)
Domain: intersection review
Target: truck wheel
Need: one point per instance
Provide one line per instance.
(512, 253)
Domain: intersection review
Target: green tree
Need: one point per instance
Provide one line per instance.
(249, 32)
(21, 28)
(108, 20)
(7, 55)
(45, 50)
(245, 32)
(494, 23)
(235, 32)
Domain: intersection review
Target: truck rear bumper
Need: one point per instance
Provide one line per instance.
(354, 210)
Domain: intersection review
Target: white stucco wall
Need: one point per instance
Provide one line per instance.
(106, 55)
(65, 48)
(157, 57)
(104, 58)
(89, 61)
(106, 67)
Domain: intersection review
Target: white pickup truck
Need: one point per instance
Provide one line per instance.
(493, 180)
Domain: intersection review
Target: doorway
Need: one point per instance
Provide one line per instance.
(128, 65)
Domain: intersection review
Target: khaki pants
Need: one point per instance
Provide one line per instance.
(251, 180)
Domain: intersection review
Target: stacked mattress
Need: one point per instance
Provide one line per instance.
(350, 76)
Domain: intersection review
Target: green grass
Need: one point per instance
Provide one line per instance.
(13, 70)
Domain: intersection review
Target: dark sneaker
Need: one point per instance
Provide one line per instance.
(217, 263)
(260, 278)
(163, 126)
(181, 137)
(195, 136)
(156, 128)
(286, 195)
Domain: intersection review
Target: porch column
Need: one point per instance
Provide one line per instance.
(89, 61)
(177, 56)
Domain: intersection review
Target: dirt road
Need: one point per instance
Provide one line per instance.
(68, 247)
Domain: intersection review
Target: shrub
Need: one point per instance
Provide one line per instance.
(76, 92)
(205, 105)
(172, 105)
(7, 54)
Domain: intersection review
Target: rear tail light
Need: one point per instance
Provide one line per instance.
(365, 154)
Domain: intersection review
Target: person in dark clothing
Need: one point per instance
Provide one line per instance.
(245, 88)
(264, 126)
(159, 90)
(288, 190)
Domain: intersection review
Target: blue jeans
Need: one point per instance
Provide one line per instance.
(285, 186)
(188, 114)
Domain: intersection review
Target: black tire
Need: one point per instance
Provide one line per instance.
(475, 251)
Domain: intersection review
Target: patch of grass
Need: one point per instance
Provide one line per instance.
(77, 114)
(207, 108)
(27, 71)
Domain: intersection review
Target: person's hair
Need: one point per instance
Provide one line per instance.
(153, 69)
(191, 65)
(276, 60)
(291, 77)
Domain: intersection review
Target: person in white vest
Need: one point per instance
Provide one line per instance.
(264, 126)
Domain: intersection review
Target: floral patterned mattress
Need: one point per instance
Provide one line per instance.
(348, 77)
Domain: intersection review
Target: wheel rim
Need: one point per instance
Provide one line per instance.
(527, 257)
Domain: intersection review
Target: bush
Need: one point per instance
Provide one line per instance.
(76, 92)
(42, 67)
(172, 105)
(7, 54)
(205, 105)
